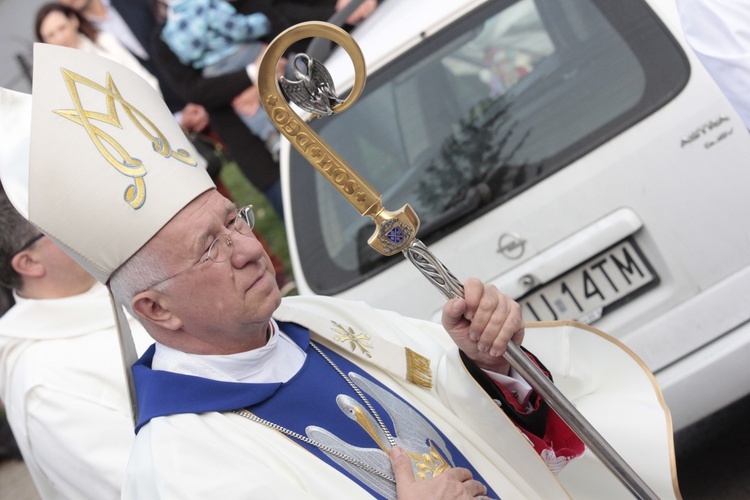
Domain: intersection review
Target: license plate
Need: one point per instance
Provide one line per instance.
(592, 289)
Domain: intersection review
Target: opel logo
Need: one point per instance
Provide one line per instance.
(511, 245)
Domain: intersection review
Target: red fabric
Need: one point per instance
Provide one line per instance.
(558, 437)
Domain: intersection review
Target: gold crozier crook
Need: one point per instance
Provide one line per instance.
(395, 230)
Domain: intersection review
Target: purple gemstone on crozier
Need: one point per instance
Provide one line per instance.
(395, 235)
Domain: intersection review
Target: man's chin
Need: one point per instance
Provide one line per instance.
(266, 287)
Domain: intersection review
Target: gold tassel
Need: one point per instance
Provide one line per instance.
(418, 369)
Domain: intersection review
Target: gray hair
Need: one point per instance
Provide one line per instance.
(16, 232)
(135, 276)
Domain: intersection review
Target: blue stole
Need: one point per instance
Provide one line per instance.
(309, 398)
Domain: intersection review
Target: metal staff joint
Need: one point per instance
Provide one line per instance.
(396, 231)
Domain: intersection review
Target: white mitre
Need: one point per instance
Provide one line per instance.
(109, 164)
(106, 165)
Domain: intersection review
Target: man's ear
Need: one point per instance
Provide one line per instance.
(151, 306)
(27, 265)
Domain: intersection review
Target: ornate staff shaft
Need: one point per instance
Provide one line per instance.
(396, 231)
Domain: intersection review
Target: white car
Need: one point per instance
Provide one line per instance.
(572, 152)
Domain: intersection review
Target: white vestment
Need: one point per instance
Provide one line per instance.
(718, 31)
(225, 455)
(63, 386)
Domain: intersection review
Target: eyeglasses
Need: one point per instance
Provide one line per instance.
(220, 249)
(31, 242)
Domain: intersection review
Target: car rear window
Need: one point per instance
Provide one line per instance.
(478, 113)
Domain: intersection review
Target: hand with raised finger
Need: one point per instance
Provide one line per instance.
(482, 323)
(454, 484)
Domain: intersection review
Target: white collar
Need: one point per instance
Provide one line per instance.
(277, 361)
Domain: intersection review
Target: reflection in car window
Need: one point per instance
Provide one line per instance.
(477, 114)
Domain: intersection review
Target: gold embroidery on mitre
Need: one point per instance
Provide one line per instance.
(430, 464)
(418, 369)
(361, 340)
(135, 194)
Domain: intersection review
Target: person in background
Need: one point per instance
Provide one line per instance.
(718, 31)
(211, 36)
(58, 24)
(132, 23)
(61, 378)
(217, 94)
(229, 96)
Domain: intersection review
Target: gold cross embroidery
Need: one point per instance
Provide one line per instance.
(361, 340)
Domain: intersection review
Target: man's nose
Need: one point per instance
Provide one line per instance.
(246, 248)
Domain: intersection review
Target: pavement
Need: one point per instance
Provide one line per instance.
(15, 481)
(713, 461)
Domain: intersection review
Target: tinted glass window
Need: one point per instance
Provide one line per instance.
(478, 113)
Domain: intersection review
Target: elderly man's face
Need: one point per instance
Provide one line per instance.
(223, 306)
